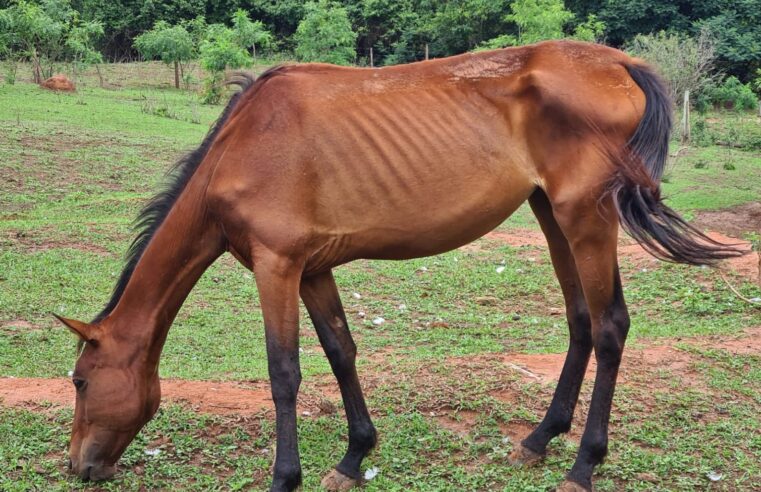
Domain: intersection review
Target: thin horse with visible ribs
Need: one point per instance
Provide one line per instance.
(312, 166)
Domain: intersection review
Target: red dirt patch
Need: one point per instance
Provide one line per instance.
(59, 83)
(734, 221)
(519, 238)
(545, 368)
(747, 266)
(221, 398)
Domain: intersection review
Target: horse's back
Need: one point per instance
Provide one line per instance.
(405, 161)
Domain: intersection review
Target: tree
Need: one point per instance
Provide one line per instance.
(738, 36)
(219, 51)
(80, 45)
(538, 20)
(170, 44)
(325, 34)
(250, 34)
(685, 62)
(46, 34)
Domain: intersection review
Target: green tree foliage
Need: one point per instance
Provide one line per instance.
(219, 51)
(171, 44)
(45, 34)
(399, 30)
(325, 34)
(738, 32)
(250, 34)
(687, 63)
(539, 20)
(80, 44)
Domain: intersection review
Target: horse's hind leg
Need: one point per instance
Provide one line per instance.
(321, 299)
(559, 415)
(591, 227)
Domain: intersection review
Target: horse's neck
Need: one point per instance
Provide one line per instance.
(182, 248)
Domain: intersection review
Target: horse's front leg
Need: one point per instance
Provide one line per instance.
(277, 279)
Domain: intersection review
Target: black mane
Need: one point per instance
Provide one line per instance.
(155, 211)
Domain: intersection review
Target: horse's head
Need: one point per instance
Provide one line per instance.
(117, 392)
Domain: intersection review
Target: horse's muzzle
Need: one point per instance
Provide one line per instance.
(92, 471)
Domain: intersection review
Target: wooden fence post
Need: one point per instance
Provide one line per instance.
(372, 64)
(426, 51)
(686, 118)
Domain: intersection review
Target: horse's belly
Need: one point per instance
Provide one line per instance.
(429, 220)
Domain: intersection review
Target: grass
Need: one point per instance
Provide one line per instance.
(74, 170)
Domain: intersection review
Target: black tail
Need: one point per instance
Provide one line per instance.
(635, 187)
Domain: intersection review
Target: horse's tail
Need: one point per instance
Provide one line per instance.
(635, 186)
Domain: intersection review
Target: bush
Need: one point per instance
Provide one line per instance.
(733, 94)
(220, 51)
(686, 63)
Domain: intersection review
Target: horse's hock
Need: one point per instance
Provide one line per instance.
(59, 83)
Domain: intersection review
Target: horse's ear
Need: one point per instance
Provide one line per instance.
(85, 331)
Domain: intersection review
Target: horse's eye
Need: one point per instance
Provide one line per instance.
(79, 383)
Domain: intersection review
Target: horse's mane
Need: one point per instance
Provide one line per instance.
(156, 210)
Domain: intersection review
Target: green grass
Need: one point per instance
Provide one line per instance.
(74, 170)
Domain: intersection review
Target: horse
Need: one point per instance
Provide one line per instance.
(311, 166)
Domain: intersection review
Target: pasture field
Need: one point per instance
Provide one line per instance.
(462, 367)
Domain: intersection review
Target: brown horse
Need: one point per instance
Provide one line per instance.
(312, 166)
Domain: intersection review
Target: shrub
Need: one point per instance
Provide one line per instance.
(219, 51)
(686, 63)
(733, 94)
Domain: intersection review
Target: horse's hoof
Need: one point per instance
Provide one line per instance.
(569, 486)
(523, 456)
(335, 481)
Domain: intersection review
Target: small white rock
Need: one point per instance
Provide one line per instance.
(755, 299)
(152, 452)
(306, 413)
(500, 269)
(402, 307)
(378, 321)
(371, 473)
(423, 269)
(301, 350)
(519, 270)
(714, 476)
(70, 373)
(361, 314)
(357, 295)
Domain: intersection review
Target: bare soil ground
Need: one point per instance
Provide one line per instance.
(746, 266)
(320, 394)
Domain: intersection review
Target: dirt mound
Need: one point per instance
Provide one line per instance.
(59, 83)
